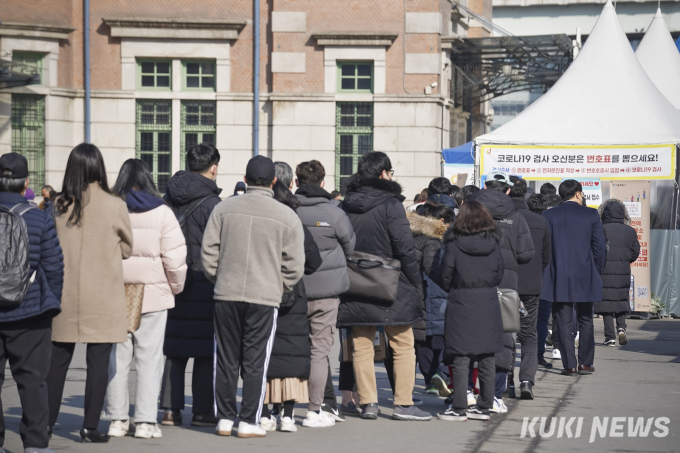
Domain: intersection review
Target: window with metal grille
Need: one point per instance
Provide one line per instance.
(355, 77)
(353, 139)
(154, 75)
(33, 62)
(28, 135)
(198, 126)
(198, 75)
(154, 139)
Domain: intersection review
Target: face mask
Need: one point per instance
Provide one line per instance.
(239, 192)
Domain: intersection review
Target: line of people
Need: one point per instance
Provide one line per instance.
(256, 285)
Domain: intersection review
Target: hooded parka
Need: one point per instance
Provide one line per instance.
(470, 270)
(624, 249)
(427, 241)
(189, 332)
(374, 206)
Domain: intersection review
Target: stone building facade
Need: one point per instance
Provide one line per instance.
(337, 79)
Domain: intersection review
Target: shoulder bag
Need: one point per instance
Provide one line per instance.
(510, 309)
(372, 277)
(134, 296)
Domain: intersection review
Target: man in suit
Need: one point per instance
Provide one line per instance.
(573, 276)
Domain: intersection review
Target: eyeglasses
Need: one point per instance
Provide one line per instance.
(391, 172)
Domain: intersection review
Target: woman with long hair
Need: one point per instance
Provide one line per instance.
(470, 271)
(290, 361)
(94, 230)
(158, 262)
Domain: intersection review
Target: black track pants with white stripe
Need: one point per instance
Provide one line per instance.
(244, 335)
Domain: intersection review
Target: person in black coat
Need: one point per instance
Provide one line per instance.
(289, 363)
(572, 279)
(518, 248)
(189, 331)
(530, 287)
(471, 270)
(374, 206)
(26, 328)
(624, 249)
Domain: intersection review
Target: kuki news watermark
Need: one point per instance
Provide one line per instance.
(602, 427)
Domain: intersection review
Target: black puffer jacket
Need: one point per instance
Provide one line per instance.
(374, 206)
(189, 331)
(292, 351)
(470, 270)
(531, 273)
(516, 241)
(624, 249)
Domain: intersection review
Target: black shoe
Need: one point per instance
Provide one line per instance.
(544, 364)
(475, 413)
(93, 436)
(511, 391)
(49, 432)
(526, 392)
(370, 411)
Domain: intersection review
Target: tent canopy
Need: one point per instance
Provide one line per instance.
(604, 98)
(459, 155)
(660, 59)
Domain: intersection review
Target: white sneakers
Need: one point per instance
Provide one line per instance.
(119, 428)
(556, 354)
(224, 427)
(318, 420)
(499, 406)
(148, 431)
(288, 425)
(268, 423)
(471, 398)
(248, 430)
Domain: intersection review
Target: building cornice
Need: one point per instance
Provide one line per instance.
(34, 30)
(524, 3)
(134, 27)
(351, 38)
(449, 42)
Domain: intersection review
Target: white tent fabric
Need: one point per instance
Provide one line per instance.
(604, 98)
(660, 59)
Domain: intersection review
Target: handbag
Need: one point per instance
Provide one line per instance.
(372, 277)
(510, 305)
(134, 296)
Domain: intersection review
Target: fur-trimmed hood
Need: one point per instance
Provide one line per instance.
(614, 211)
(365, 193)
(426, 226)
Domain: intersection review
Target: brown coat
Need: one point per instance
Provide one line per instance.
(93, 308)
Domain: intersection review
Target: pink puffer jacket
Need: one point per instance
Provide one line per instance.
(158, 258)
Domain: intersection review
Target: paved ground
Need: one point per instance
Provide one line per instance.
(641, 379)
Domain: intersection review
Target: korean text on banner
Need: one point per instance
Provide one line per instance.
(592, 191)
(635, 195)
(643, 162)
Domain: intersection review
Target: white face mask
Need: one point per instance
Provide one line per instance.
(239, 192)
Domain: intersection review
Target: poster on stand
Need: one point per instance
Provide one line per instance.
(635, 195)
(460, 174)
(642, 162)
(592, 190)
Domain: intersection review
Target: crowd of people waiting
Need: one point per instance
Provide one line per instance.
(256, 285)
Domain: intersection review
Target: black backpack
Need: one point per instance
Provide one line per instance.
(15, 272)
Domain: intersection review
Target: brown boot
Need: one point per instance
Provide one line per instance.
(172, 418)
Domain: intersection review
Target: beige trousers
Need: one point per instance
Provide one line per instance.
(401, 341)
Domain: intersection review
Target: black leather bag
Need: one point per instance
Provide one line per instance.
(372, 277)
(510, 308)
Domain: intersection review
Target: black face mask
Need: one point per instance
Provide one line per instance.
(584, 202)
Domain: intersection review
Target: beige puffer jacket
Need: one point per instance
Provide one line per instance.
(158, 258)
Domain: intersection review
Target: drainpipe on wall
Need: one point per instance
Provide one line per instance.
(256, 77)
(86, 41)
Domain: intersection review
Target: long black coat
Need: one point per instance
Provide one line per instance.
(530, 274)
(516, 241)
(624, 249)
(471, 269)
(291, 353)
(374, 206)
(189, 331)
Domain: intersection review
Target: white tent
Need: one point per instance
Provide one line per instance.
(604, 98)
(660, 59)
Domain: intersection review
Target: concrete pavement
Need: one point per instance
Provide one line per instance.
(639, 380)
